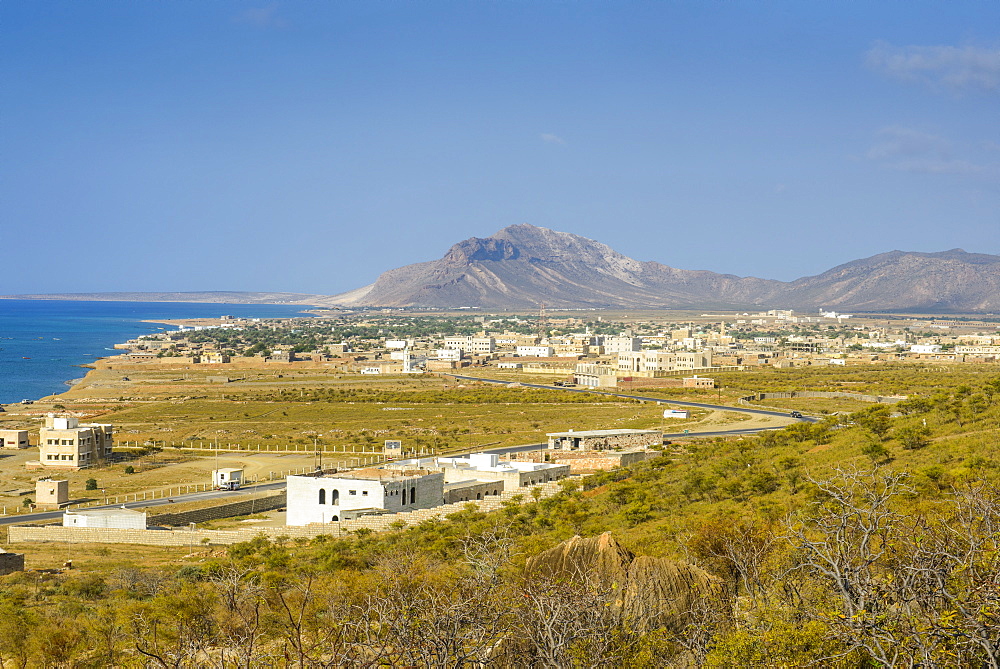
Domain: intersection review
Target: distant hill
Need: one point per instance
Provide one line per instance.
(524, 265)
(221, 296)
(950, 281)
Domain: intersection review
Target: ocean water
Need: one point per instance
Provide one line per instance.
(43, 342)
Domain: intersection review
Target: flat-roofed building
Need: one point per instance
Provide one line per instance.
(489, 467)
(123, 519)
(622, 344)
(50, 493)
(535, 351)
(473, 345)
(14, 439)
(595, 375)
(65, 443)
(662, 361)
(325, 498)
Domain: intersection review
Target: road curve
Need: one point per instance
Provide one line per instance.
(658, 400)
(210, 494)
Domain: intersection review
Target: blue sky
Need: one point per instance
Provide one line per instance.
(310, 146)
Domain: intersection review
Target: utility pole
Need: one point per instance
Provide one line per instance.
(543, 323)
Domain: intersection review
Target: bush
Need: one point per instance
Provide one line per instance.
(129, 469)
(91, 484)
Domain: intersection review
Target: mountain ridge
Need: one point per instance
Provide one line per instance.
(523, 265)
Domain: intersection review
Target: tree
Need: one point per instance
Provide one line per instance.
(91, 484)
(913, 437)
(906, 589)
(875, 420)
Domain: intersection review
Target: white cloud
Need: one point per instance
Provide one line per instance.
(938, 66)
(896, 142)
(549, 138)
(261, 17)
(908, 150)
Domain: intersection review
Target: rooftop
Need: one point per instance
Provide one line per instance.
(108, 512)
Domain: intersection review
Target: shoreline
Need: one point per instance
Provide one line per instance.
(52, 379)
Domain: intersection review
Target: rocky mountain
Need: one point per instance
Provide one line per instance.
(522, 266)
(950, 282)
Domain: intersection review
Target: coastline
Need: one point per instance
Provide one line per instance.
(48, 337)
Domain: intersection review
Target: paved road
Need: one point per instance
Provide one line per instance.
(277, 485)
(145, 503)
(660, 400)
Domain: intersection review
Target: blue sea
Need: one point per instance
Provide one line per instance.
(43, 342)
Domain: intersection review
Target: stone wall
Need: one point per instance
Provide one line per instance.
(877, 399)
(241, 508)
(590, 461)
(466, 493)
(197, 537)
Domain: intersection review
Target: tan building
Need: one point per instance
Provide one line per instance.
(66, 444)
(698, 382)
(50, 493)
(14, 439)
(660, 361)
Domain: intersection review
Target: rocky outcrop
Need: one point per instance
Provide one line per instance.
(650, 592)
(523, 266)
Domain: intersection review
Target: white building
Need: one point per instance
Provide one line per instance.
(535, 351)
(454, 354)
(319, 498)
(228, 478)
(488, 467)
(126, 519)
(621, 344)
(474, 345)
(925, 348)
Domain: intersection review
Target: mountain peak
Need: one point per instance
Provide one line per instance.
(522, 265)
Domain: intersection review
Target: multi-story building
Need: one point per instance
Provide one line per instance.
(658, 361)
(66, 444)
(621, 344)
(472, 345)
(535, 351)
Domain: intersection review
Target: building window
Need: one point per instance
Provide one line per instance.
(335, 497)
(413, 495)
(322, 496)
